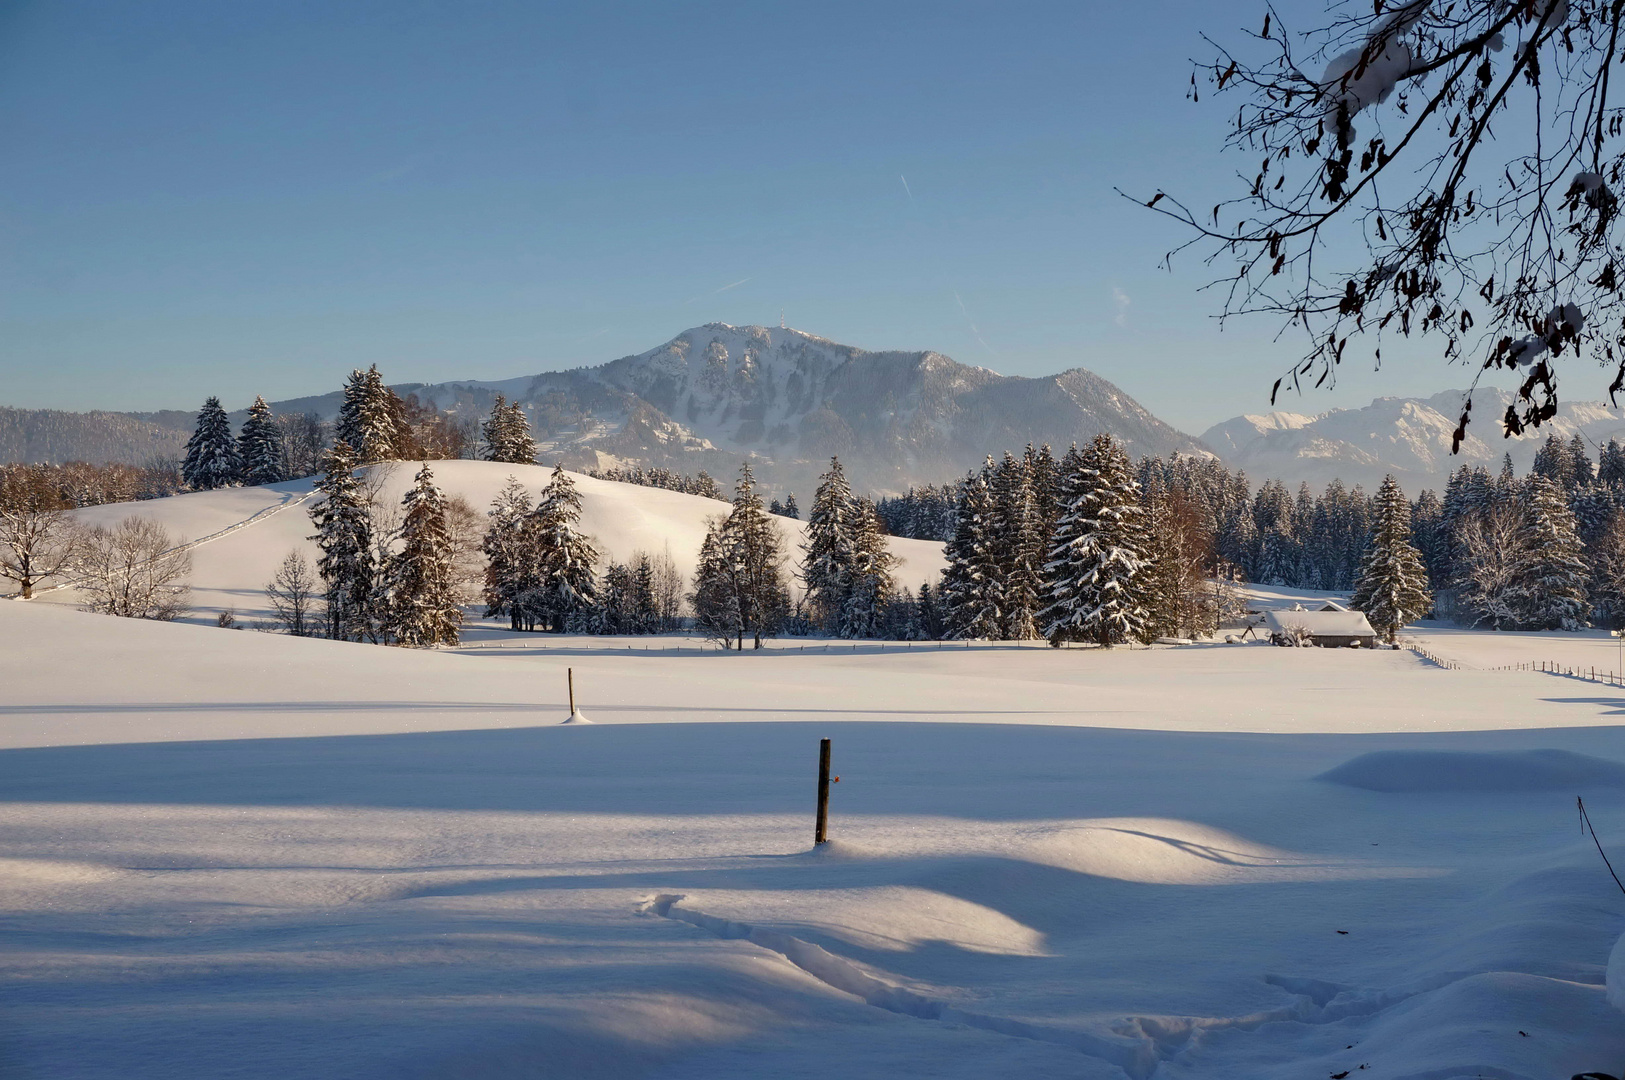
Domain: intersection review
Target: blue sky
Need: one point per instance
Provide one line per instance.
(234, 199)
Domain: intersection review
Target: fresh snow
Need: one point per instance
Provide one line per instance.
(228, 853)
(233, 567)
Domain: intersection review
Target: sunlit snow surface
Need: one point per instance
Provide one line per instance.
(227, 853)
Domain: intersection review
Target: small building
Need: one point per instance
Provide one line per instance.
(1333, 627)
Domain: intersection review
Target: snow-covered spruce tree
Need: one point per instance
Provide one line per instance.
(423, 608)
(1093, 588)
(1432, 540)
(259, 447)
(1611, 465)
(211, 453)
(645, 601)
(1393, 586)
(871, 586)
(615, 612)
(1018, 548)
(830, 551)
(566, 560)
(510, 569)
(971, 599)
(1608, 573)
(507, 434)
(344, 533)
(1554, 462)
(367, 417)
(1550, 593)
(791, 510)
(739, 587)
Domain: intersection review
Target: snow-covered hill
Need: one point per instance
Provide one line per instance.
(247, 531)
(1409, 437)
(716, 394)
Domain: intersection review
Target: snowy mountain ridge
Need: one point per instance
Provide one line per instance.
(787, 400)
(1409, 437)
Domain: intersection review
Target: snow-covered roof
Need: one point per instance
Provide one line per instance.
(1321, 623)
(1331, 605)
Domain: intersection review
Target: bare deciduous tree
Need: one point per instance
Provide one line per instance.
(1491, 555)
(1476, 205)
(304, 436)
(136, 570)
(292, 595)
(465, 528)
(36, 545)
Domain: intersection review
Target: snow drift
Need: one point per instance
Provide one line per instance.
(1459, 770)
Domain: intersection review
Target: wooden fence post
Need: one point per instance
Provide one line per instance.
(821, 829)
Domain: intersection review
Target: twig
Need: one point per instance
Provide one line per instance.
(1585, 824)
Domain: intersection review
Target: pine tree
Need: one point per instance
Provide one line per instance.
(739, 588)
(211, 453)
(971, 598)
(259, 447)
(565, 558)
(1608, 572)
(367, 417)
(1432, 539)
(645, 606)
(1392, 588)
(1550, 593)
(1581, 471)
(615, 612)
(423, 608)
(344, 533)
(507, 434)
(791, 510)
(1092, 588)
(1018, 551)
(830, 551)
(510, 557)
(1611, 465)
(871, 587)
(1553, 462)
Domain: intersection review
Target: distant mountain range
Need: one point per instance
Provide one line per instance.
(786, 400)
(1409, 437)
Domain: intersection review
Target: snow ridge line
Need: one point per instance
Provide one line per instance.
(288, 500)
(1148, 1040)
(1138, 1058)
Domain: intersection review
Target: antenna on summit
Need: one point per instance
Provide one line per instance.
(781, 319)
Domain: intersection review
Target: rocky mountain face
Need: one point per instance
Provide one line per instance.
(717, 395)
(1409, 437)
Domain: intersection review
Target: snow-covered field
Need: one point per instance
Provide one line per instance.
(227, 853)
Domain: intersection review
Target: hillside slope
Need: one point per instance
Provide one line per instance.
(231, 570)
(51, 437)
